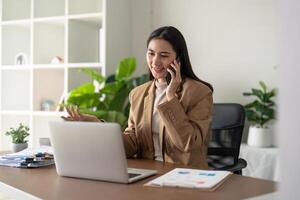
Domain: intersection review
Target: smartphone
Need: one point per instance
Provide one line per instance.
(169, 77)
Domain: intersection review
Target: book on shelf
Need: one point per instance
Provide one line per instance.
(208, 180)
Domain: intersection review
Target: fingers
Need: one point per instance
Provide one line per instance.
(68, 118)
(177, 63)
(69, 111)
(74, 114)
(171, 72)
(176, 66)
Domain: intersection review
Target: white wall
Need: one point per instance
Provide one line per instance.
(289, 99)
(232, 44)
(141, 15)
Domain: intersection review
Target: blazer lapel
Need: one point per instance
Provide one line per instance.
(148, 109)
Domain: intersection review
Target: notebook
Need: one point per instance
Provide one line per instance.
(92, 150)
(191, 178)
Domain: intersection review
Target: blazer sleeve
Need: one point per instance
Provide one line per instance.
(129, 135)
(186, 128)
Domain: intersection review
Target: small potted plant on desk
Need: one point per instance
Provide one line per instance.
(260, 111)
(18, 136)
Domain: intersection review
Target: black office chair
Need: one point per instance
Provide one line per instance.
(227, 129)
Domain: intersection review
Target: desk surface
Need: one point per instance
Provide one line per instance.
(46, 184)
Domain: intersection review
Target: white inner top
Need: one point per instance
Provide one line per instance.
(160, 97)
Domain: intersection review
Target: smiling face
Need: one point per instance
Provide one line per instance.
(160, 55)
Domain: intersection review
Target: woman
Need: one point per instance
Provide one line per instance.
(170, 115)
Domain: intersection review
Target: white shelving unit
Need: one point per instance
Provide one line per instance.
(85, 33)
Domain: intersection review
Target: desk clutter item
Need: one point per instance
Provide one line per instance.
(57, 60)
(29, 158)
(21, 59)
(47, 105)
(191, 178)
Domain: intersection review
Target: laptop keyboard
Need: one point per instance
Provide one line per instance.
(131, 175)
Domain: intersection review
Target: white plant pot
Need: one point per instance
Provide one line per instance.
(19, 147)
(259, 137)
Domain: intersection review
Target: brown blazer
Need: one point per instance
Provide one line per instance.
(186, 124)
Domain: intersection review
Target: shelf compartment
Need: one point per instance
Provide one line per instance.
(84, 6)
(77, 78)
(46, 66)
(41, 127)
(84, 40)
(14, 112)
(21, 22)
(59, 20)
(15, 90)
(11, 121)
(48, 88)
(91, 17)
(82, 65)
(49, 114)
(46, 8)
(16, 44)
(15, 9)
(15, 67)
(49, 39)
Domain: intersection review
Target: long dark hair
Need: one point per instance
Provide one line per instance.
(176, 39)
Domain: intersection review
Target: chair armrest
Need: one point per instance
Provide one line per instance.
(237, 168)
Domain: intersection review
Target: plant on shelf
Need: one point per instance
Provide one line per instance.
(260, 111)
(107, 98)
(18, 136)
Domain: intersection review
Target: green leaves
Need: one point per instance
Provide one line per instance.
(110, 101)
(125, 69)
(263, 86)
(19, 134)
(261, 110)
(94, 74)
(84, 96)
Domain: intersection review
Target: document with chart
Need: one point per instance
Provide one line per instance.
(191, 178)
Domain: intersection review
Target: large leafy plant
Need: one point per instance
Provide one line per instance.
(262, 109)
(18, 134)
(107, 98)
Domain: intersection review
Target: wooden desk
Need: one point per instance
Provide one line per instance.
(46, 184)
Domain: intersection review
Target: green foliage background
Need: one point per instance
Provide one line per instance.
(109, 101)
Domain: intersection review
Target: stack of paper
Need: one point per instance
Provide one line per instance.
(191, 178)
(29, 158)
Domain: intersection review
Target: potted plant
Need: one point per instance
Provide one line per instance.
(18, 136)
(107, 98)
(259, 113)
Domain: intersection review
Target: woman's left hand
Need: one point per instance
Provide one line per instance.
(75, 115)
(175, 80)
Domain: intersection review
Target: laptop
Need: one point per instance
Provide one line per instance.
(92, 150)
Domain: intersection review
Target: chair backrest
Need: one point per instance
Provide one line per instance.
(227, 129)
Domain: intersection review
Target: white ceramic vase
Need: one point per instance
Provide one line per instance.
(259, 137)
(19, 147)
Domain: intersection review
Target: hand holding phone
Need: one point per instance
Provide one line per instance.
(173, 80)
(169, 77)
